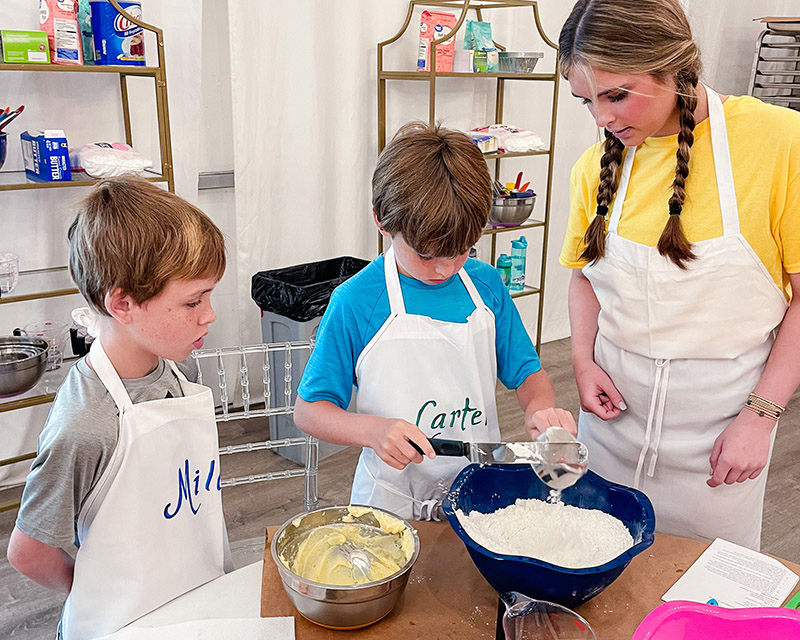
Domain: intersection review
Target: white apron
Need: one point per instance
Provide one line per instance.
(152, 528)
(438, 375)
(684, 348)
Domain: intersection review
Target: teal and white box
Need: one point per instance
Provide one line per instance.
(46, 155)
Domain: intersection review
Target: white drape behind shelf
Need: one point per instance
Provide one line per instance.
(305, 131)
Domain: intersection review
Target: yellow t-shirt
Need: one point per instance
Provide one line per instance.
(765, 153)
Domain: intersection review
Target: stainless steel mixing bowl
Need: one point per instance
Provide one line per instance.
(22, 362)
(511, 211)
(337, 607)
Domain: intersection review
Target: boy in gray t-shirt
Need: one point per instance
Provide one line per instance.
(116, 481)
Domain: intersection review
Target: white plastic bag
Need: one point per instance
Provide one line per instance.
(108, 160)
(515, 140)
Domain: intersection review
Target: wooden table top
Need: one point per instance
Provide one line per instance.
(446, 596)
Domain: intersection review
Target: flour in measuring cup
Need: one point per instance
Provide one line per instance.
(560, 534)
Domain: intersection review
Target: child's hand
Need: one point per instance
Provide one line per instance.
(741, 451)
(392, 438)
(597, 392)
(536, 422)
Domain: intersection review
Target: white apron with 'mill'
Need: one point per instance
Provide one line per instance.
(152, 528)
(684, 348)
(438, 375)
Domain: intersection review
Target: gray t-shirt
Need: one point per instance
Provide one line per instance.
(75, 447)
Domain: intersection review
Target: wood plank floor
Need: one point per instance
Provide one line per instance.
(30, 612)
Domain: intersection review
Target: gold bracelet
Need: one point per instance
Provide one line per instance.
(763, 407)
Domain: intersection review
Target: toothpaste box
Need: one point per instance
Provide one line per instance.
(24, 47)
(46, 155)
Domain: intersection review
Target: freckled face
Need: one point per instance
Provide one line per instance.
(631, 106)
(425, 269)
(174, 323)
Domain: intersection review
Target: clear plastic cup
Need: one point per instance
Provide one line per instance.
(9, 272)
(529, 619)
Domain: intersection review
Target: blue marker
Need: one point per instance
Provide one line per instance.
(713, 601)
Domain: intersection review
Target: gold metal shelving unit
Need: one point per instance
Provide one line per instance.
(431, 76)
(54, 281)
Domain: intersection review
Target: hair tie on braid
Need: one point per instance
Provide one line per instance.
(602, 210)
(675, 208)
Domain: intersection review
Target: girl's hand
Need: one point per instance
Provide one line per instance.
(597, 392)
(536, 422)
(391, 440)
(741, 451)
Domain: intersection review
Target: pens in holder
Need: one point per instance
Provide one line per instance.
(5, 121)
(4, 113)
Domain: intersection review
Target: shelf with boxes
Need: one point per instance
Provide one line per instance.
(51, 282)
(431, 73)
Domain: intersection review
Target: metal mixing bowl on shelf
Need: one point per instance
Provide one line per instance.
(333, 606)
(518, 61)
(22, 362)
(511, 211)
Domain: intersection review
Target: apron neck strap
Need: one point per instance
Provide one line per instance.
(622, 190)
(396, 303)
(108, 376)
(722, 165)
(469, 285)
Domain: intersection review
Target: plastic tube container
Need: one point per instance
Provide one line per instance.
(519, 250)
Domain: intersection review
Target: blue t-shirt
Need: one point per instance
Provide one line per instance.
(359, 307)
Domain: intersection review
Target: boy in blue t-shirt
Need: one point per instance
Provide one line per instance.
(422, 332)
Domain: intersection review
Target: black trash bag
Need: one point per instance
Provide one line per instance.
(302, 292)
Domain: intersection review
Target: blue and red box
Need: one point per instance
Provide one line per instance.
(46, 155)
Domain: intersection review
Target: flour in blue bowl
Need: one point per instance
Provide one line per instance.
(560, 534)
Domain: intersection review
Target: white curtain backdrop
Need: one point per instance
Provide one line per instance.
(304, 93)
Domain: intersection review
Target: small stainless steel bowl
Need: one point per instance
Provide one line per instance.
(518, 61)
(511, 211)
(336, 607)
(23, 360)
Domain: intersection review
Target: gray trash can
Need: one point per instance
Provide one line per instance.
(292, 301)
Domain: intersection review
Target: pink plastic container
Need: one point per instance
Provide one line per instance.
(680, 620)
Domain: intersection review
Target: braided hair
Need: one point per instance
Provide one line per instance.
(637, 36)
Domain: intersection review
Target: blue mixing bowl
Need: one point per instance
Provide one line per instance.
(492, 487)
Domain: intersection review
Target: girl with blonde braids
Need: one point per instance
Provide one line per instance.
(684, 237)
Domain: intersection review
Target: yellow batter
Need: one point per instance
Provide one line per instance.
(326, 554)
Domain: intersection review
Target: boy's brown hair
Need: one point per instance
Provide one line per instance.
(133, 235)
(432, 185)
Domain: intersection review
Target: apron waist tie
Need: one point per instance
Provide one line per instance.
(655, 420)
(428, 509)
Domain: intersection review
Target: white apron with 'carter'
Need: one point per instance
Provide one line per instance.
(684, 348)
(152, 528)
(438, 375)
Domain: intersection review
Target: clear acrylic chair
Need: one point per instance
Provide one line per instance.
(239, 396)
